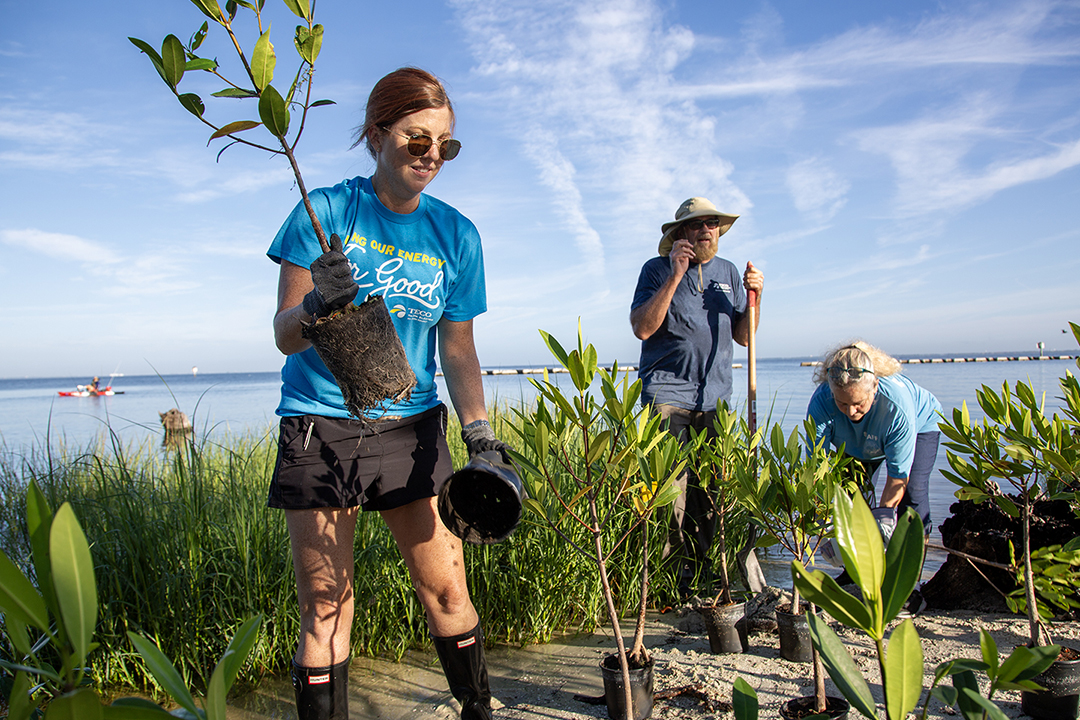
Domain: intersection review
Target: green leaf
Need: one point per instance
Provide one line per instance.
(239, 648)
(903, 670)
(197, 38)
(841, 668)
(82, 704)
(822, 590)
(19, 702)
(744, 700)
(39, 517)
(300, 8)
(989, 649)
(164, 673)
(319, 103)
(903, 564)
(966, 681)
(18, 633)
(215, 695)
(234, 127)
(861, 547)
(73, 578)
(201, 64)
(173, 60)
(153, 55)
(263, 60)
(993, 712)
(235, 93)
(273, 112)
(308, 42)
(209, 8)
(555, 348)
(192, 103)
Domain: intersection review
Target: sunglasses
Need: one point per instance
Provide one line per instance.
(841, 375)
(696, 224)
(419, 144)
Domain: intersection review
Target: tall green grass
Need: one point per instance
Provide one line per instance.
(185, 549)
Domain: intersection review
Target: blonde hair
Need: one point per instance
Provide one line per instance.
(855, 362)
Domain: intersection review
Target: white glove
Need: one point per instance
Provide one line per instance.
(886, 522)
(831, 554)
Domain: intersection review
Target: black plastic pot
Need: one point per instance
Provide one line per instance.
(726, 625)
(836, 708)
(795, 644)
(1061, 698)
(641, 689)
(481, 502)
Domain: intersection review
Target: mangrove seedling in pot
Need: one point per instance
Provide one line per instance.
(358, 344)
(588, 462)
(790, 499)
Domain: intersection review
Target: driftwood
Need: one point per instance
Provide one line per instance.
(361, 348)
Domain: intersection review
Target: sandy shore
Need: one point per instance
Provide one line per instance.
(540, 682)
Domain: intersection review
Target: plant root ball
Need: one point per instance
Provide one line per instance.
(361, 348)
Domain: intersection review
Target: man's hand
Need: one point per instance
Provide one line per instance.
(334, 284)
(479, 438)
(753, 279)
(682, 252)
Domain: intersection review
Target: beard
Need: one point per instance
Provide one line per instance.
(704, 252)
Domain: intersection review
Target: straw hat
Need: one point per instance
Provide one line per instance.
(693, 208)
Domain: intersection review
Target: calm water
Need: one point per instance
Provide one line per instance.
(235, 403)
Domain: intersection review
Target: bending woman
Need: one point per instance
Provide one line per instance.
(424, 257)
(863, 403)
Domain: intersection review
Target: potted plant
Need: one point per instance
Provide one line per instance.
(715, 459)
(1039, 457)
(357, 339)
(886, 577)
(586, 460)
(790, 499)
(51, 628)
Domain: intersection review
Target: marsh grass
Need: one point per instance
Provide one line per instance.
(185, 550)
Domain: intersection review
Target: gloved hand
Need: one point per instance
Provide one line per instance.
(334, 284)
(886, 521)
(831, 554)
(479, 437)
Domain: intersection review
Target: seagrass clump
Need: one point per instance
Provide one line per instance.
(361, 348)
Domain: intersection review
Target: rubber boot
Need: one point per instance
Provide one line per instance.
(462, 659)
(322, 693)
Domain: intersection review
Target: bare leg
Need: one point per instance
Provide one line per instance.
(436, 565)
(322, 552)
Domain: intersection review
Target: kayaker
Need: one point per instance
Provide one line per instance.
(883, 420)
(330, 466)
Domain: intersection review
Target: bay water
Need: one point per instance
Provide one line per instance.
(32, 414)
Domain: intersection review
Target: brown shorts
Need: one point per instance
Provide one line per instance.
(335, 462)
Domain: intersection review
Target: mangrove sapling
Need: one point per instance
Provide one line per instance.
(713, 458)
(1016, 443)
(886, 579)
(358, 343)
(790, 499)
(584, 461)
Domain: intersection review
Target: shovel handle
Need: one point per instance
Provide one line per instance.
(751, 360)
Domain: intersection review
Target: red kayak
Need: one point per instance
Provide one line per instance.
(87, 391)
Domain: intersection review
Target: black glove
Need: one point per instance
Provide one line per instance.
(479, 437)
(334, 284)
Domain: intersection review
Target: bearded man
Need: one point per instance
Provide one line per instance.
(688, 307)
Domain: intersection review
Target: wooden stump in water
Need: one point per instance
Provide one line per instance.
(361, 348)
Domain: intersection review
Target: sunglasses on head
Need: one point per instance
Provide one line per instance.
(696, 224)
(844, 374)
(419, 144)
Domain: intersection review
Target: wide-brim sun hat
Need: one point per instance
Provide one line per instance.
(693, 208)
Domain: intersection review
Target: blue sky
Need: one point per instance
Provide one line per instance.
(906, 172)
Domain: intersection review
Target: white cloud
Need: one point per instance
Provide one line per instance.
(816, 189)
(58, 245)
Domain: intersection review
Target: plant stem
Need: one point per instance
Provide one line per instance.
(613, 613)
(1029, 581)
(319, 232)
(637, 652)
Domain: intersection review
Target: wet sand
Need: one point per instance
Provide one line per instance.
(540, 682)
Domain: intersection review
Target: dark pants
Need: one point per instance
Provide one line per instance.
(693, 519)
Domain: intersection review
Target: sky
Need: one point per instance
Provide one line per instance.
(905, 172)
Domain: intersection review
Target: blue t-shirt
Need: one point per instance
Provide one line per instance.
(901, 410)
(426, 264)
(687, 361)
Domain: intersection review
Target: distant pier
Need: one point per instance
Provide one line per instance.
(926, 361)
(541, 371)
